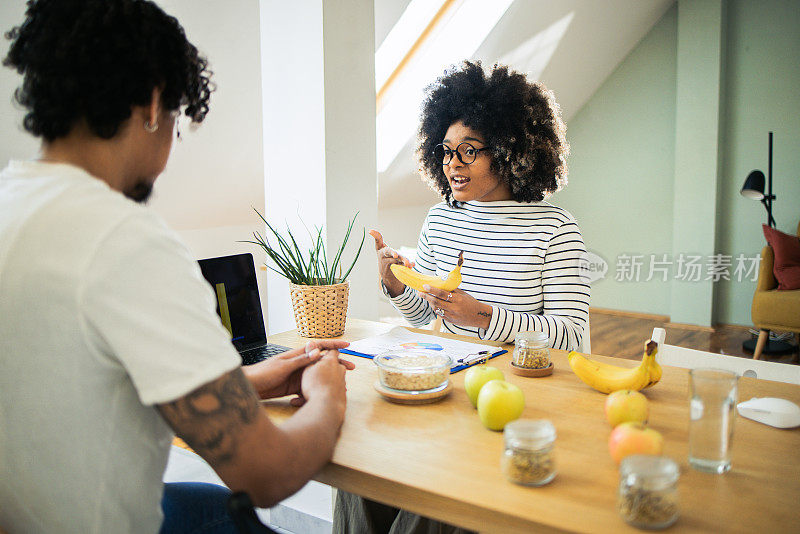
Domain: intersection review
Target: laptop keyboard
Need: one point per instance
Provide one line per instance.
(249, 357)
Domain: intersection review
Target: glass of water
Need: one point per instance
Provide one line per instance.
(711, 416)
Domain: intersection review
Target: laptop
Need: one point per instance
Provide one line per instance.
(233, 279)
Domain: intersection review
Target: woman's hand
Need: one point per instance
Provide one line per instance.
(386, 257)
(458, 307)
(282, 374)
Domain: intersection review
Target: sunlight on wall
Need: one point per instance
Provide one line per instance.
(532, 56)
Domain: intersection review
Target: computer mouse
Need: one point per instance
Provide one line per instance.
(779, 413)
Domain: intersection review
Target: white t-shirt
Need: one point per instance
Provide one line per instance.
(103, 313)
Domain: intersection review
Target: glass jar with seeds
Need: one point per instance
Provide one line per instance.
(528, 457)
(648, 491)
(531, 350)
(417, 370)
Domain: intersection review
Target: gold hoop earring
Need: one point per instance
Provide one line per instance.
(150, 128)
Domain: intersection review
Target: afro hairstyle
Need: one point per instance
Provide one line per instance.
(520, 121)
(94, 60)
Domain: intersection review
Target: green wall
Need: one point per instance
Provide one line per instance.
(762, 89)
(622, 167)
(697, 154)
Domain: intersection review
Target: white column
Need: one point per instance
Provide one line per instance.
(318, 88)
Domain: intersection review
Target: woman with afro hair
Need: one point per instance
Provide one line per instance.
(493, 146)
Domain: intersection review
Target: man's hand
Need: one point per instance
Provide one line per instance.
(326, 379)
(386, 257)
(282, 374)
(458, 307)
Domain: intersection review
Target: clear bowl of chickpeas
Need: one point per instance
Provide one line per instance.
(413, 370)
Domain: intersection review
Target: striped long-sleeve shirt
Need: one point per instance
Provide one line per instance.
(520, 258)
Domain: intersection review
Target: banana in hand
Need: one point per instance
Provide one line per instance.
(416, 280)
(607, 378)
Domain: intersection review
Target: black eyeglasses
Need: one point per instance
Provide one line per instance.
(465, 152)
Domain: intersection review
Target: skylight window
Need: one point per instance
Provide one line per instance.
(402, 37)
(455, 37)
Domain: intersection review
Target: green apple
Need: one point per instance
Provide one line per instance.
(499, 402)
(476, 377)
(626, 405)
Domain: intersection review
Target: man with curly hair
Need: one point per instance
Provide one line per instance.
(493, 146)
(109, 340)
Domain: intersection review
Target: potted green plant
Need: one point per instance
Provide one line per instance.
(318, 289)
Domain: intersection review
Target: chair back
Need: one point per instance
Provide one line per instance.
(692, 359)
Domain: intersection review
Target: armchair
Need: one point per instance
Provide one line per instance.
(773, 309)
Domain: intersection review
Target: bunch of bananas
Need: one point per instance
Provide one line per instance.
(416, 280)
(607, 378)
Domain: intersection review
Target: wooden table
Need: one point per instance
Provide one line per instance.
(439, 461)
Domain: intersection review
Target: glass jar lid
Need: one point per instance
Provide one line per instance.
(418, 360)
(529, 434)
(532, 338)
(649, 472)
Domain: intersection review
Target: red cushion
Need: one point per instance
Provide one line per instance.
(787, 257)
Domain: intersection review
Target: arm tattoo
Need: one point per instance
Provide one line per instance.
(484, 314)
(208, 419)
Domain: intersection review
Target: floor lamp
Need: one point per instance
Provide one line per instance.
(753, 188)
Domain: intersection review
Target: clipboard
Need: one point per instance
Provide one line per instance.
(463, 364)
(463, 354)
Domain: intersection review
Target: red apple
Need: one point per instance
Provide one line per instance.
(633, 438)
(626, 405)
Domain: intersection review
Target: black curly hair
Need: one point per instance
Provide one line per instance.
(520, 121)
(95, 59)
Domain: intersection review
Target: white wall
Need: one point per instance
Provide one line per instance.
(214, 178)
(319, 133)
(215, 174)
(400, 225)
(15, 143)
(294, 138)
(351, 178)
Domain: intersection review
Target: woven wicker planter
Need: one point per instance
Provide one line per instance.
(320, 311)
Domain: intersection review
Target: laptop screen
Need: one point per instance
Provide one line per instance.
(233, 279)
